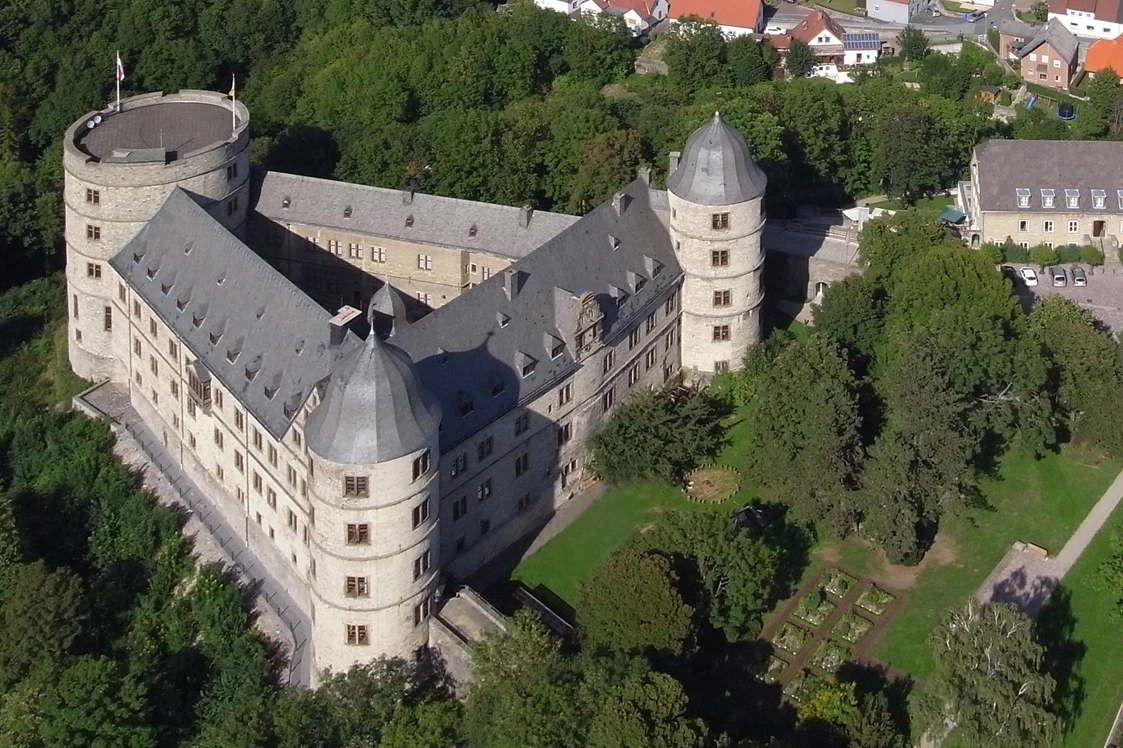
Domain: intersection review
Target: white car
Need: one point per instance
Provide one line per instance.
(774, 30)
(1029, 275)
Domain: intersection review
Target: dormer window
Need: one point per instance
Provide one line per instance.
(232, 355)
(1119, 195)
(653, 266)
(165, 287)
(1023, 197)
(136, 257)
(557, 350)
(215, 337)
(1099, 199)
(250, 374)
(181, 304)
(409, 221)
(498, 388)
(613, 242)
(188, 247)
(472, 230)
(528, 368)
(504, 320)
(270, 392)
(151, 272)
(525, 363)
(1048, 198)
(252, 368)
(1072, 198)
(464, 404)
(197, 320)
(347, 212)
(286, 203)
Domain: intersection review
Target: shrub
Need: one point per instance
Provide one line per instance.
(1091, 255)
(1068, 254)
(1043, 254)
(1012, 252)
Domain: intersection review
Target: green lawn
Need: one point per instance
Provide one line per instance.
(844, 6)
(1037, 501)
(934, 203)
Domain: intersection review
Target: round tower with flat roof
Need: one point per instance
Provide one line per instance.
(716, 194)
(119, 167)
(374, 488)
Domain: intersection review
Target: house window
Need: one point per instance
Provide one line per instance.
(239, 420)
(93, 270)
(1048, 227)
(378, 254)
(357, 634)
(290, 518)
(173, 350)
(421, 464)
(721, 332)
(650, 358)
(633, 338)
(567, 470)
(609, 361)
(425, 298)
(425, 262)
(565, 433)
(121, 292)
(356, 587)
(486, 273)
(358, 533)
(1047, 198)
(290, 474)
(723, 298)
(483, 491)
(484, 448)
(257, 482)
(107, 320)
(459, 465)
(1056, 64)
(136, 309)
(525, 501)
(608, 399)
(649, 323)
(459, 508)
(354, 251)
(136, 346)
(565, 394)
(93, 196)
(671, 303)
(719, 221)
(522, 464)
(1023, 197)
(1023, 225)
(1072, 198)
(1073, 227)
(421, 612)
(633, 374)
(420, 513)
(719, 258)
(522, 424)
(1099, 199)
(356, 485)
(93, 232)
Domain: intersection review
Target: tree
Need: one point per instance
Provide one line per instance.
(907, 156)
(632, 604)
(800, 59)
(888, 244)
(598, 47)
(748, 63)
(1109, 574)
(646, 711)
(805, 443)
(1040, 11)
(609, 162)
(95, 703)
(871, 725)
(852, 313)
(41, 617)
(696, 54)
(990, 679)
(741, 387)
(912, 43)
(433, 724)
(1042, 255)
(656, 436)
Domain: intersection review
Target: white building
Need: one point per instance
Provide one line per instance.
(1097, 19)
(735, 18)
(896, 11)
(638, 15)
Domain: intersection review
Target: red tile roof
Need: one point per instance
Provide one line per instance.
(813, 25)
(1104, 54)
(742, 14)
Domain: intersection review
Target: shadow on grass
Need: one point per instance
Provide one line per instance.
(1063, 655)
(870, 679)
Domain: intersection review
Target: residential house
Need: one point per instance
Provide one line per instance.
(1050, 58)
(1013, 35)
(638, 15)
(735, 17)
(895, 11)
(1099, 19)
(561, 6)
(1044, 192)
(835, 50)
(1105, 54)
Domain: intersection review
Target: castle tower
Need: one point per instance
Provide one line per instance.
(374, 485)
(715, 193)
(119, 167)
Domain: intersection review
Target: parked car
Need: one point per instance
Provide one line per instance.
(1029, 276)
(1008, 272)
(972, 17)
(1078, 276)
(774, 30)
(1058, 275)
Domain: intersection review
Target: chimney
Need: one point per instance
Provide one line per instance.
(341, 323)
(525, 212)
(512, 283)
(407, 197)
(620, 203)
(675, 156)
(644, 174)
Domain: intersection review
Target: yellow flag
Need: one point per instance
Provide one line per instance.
(232, 87)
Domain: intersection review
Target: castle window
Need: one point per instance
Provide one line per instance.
(239, 420)
(356, 485)
(472, 230)
(290, 473)
(633, 374)
(153, 365)
(608, 399)
(93, 232)
(218, 439)
(485, 527)
(290, 518)
(633, 338)
(425, 262)
(649, 324)
(719, 258)
(522, 424)
(347, 212)
(421, 612)
(420, 513)
(522, 464)
(356, 587)
(136, 309)
(421, 465)
(358, 634)
(669, 340)
(136, 346)
(721, 332)
(565, 433)
(421, 565)
(650, 357)
(483, 491)
(232, 206)
(609, 362)
(378, 254)
(459, 465)
(272, 455)
(93, 270)
(565, 394)
(484, 448)
(358, 533)
(355, 251)
(719, 221)
(108, 320)
(240, 462)
(93, 196)
(723, 298)
(459, 508)
(409, 221)
(121, 293)
(286, 203)
(721, 366)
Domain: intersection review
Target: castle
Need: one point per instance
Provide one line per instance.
(362, 472)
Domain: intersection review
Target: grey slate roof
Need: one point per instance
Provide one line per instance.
(180, 127)
(1016, 27)
(442, 221)
(1058, 37)
(190, 269)
(1008, 165)
(374, 409)
(471, 350)
(715, 167)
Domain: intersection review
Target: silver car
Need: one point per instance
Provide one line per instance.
(1078, 276)
(1058, 276)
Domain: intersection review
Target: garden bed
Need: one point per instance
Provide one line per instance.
(776, 667)
(814, 608)
(830, 656)
(837, 582)
(851, 628)
(802, 685)
(875, 600)
(790, 638)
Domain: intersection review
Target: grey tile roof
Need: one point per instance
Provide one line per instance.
(374, 409)
(443, 221)
(190, 269)
(1015, 27)
(1008, 165)
(1058, 37)
(179, 127)
(715, 167)
(469, 352)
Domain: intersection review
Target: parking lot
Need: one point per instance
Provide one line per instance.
(1103, 296)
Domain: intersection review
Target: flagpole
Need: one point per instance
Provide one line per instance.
(233, 105)
(117, 77)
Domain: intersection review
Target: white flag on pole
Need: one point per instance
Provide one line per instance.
(120, 69)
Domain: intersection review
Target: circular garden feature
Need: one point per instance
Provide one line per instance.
(712, 484)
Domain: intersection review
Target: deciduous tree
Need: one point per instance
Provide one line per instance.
(800, 59)
(912, 43)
